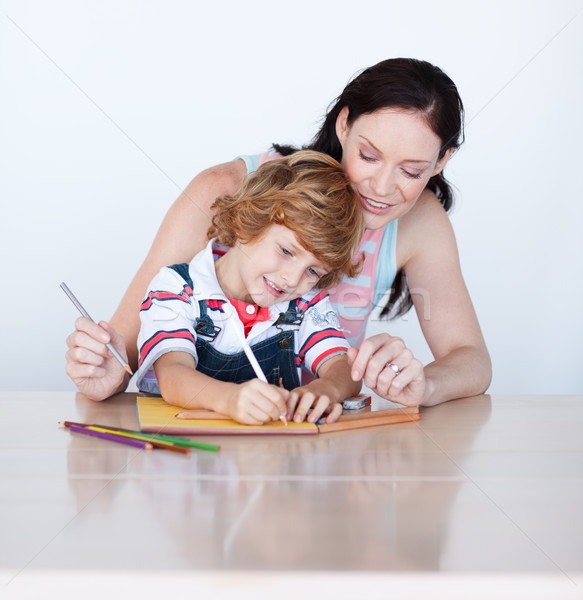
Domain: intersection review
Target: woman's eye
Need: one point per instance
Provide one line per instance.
(365, 157)
(412, 175)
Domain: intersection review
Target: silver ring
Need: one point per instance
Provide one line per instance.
(393, 368)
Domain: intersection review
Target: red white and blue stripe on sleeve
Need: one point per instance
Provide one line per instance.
(163, 296)
(166, 319)
(303, 304)
(323, 341)
(321, 345)
(160, 337)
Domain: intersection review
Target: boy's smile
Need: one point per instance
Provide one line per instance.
(272, 268)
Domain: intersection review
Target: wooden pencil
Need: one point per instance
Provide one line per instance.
(162, 444)
(200, 413)
(165, 445)
(131, 434)
(150, 437)
(369, 421)
(373, 414)
(167, 438)
(112, 437)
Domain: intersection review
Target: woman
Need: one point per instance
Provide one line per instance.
(393, 128)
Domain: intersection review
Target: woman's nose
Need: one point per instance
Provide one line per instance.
(383, 184)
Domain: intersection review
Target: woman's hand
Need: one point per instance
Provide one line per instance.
(389, 369)
(90, 364)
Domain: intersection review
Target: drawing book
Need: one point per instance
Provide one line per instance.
(157, 416)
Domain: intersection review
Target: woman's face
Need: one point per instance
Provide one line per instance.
(389, 156)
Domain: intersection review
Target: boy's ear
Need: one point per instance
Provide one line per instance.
(440, 164)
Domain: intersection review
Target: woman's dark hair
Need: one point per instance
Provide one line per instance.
(412, 85)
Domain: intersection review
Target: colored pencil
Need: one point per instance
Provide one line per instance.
(152, 438)
(200, 413)
(188, 443)
(80, 308)
(368, 421)
(112, 437)
(140, 436)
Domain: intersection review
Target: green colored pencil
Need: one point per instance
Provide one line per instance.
(182, 442)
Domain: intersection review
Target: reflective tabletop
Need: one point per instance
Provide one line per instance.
(477, 487)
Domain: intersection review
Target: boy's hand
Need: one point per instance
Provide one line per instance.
(255, 402)
(317, 396)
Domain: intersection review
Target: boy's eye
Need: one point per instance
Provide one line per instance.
(285, 251)
(313, 272)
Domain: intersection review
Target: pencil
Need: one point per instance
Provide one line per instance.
(112, 437)
(152, 438)
(164, 445)
(80, 308)
(256, 367)
(188, 443)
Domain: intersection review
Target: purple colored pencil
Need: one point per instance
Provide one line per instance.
(112, 437)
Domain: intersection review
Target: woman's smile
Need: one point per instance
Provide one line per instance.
(374, 206)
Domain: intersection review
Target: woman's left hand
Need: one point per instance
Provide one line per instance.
(389, 369)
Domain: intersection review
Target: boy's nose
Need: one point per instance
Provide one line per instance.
(291, 277)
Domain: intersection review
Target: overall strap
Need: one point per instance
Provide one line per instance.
(292, 316)
(204, 325)
(182, 270)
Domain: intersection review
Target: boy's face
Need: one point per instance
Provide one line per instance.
(275, 267)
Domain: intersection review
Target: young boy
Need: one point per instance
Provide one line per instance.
(290, 232)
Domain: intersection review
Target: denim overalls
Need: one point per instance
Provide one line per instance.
(275, 355)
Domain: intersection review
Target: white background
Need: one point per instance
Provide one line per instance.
(108, 109)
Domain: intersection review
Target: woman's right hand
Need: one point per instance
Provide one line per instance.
(90, 364)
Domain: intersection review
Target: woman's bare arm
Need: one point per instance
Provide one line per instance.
(181, 235)
(430, 257)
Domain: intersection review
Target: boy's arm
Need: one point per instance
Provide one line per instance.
(253, 402)
(334, 384)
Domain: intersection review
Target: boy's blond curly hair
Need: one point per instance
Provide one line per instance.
(307, 192)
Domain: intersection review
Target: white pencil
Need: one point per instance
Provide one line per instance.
(256, 366)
